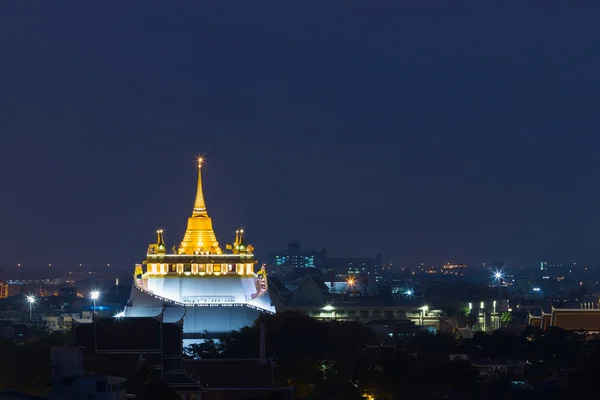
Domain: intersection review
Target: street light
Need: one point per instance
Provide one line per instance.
(498, 276)
(31, 301)
(95, 295)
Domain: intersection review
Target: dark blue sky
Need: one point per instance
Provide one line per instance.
(425, 132)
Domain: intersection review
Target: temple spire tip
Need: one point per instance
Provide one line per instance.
(199, 205)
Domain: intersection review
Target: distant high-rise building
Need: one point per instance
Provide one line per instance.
(295, 257)
(344, 266)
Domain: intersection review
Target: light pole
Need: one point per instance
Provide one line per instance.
(498, 276)
(95, 295)
(31, 301)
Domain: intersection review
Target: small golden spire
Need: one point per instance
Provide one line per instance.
(160, 240)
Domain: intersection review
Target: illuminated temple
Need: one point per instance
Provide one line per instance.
(209, 290)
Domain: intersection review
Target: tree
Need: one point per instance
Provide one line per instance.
(506, 318)
(470, 317)
(157, 390)
(314, 356)
(28, 364)
(460, 374)
(207, 349)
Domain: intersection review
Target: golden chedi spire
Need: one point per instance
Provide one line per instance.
(199, 237)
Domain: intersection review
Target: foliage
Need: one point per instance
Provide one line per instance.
(209, 348)
(329, 360)
(470, 316)
(29, 367)
(157, 390)
(506, 318)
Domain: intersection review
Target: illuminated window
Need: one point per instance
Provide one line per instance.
(217, 268)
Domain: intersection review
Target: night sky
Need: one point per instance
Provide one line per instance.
(426, 132)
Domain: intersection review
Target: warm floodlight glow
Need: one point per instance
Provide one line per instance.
(95, 295)
(200, 161)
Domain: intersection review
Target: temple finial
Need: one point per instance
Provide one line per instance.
(160, 240)
(199, 205)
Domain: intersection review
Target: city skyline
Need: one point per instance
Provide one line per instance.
(424, 137)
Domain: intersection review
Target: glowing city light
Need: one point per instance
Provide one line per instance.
(95, 295)
(328, 308)
(409, 292)
(31, 301)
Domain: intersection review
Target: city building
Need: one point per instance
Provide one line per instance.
(351, 266)
(120, 346)
(295, 257)
(213, 291)
(70, 382)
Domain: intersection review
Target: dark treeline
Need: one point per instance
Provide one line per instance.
(328, 360)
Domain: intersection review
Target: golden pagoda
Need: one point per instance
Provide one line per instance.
(197, 275)
(199, 237)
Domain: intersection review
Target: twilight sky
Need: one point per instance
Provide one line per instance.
(426, 132)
